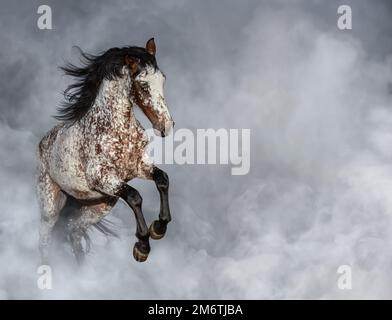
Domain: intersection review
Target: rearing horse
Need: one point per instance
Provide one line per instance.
(86, 161)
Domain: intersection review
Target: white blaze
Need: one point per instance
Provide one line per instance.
(154, 80)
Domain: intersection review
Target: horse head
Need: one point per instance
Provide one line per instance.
(147, 91)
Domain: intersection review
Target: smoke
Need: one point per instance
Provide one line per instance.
(317, 101)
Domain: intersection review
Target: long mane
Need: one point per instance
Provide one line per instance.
(79, 97)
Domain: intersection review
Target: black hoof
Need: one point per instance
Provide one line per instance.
(141, 251)
(157, 230)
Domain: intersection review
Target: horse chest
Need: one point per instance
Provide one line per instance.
(121, 149)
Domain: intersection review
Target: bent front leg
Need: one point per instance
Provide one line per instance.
(158, 227)
(132, 197)
(113, 186)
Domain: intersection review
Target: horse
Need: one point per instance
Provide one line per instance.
(98, 146)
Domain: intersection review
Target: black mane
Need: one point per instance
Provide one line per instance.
(80, 96)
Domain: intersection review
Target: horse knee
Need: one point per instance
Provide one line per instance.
(161, 179)
(134, 198)
(131, 196)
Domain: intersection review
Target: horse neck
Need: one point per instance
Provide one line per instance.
(113, 105)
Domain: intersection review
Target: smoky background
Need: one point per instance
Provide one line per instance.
(317, 101)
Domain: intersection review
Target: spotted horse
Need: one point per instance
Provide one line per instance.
(98, 146)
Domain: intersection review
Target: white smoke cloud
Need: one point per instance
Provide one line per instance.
(317, 195)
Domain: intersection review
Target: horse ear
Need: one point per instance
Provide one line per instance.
(132, 63)
(151, 47)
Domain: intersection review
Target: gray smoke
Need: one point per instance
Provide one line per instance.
(317, 101)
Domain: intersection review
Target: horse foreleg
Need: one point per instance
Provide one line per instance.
(113, 186)
(51, 199)
(133, 198)
(158, 227)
